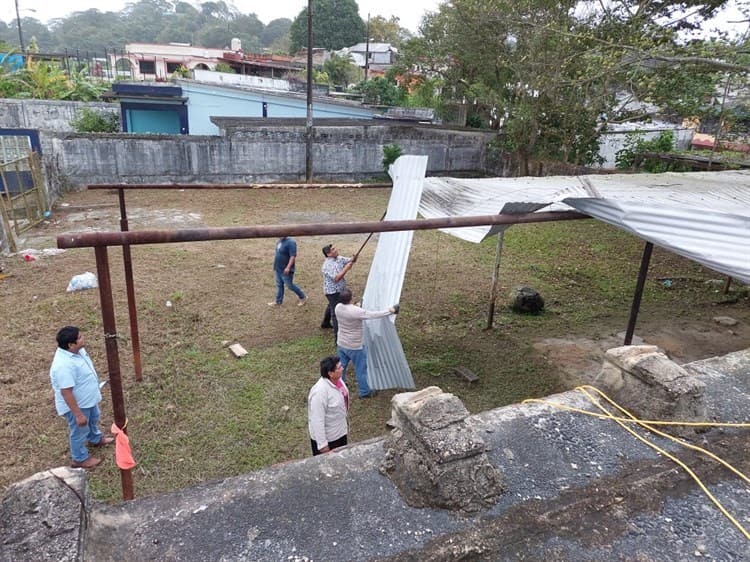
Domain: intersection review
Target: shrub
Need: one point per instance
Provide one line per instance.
(224, 67)
(90, 121)
(391, 152)
(636, 145)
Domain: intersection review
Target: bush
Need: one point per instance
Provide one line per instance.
(90, 121)
(391, 152)
(224, 67)
(636, 146)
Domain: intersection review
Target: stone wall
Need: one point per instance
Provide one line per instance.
(261, 154)
(46, 115)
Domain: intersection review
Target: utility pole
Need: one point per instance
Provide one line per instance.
(309, 124)
(20, 33)
(367, 47)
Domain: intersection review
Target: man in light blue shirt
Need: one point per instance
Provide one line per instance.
(77, 396)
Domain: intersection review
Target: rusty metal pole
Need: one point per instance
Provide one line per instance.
(113, 358)
(137, 237)
(635, 307)
(130, 287)
(495, 280)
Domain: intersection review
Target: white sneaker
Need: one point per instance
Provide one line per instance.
(274, 303)
(302, 302)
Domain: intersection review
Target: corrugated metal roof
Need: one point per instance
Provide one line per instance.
(704, 216)
(386, 362)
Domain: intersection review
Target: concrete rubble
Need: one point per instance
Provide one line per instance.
(435, 458)
(575, 488)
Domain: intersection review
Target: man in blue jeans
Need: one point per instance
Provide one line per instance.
(77, 396)
(350, 348)
(283, 268)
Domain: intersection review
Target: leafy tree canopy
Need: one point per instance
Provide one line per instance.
(544, 71)
(336, 24)
(388, 31)
(208, 24)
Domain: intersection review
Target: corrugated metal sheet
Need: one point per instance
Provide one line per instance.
(386, 362)
(704, 216)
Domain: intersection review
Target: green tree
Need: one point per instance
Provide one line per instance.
(340, 70)
(91, 30)
(543, 73)
(143, 20)
(388, 31)
(380, 91)
(336, 24)
(276, 31)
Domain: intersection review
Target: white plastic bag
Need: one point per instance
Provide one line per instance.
(83, 281)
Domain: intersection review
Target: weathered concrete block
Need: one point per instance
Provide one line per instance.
(435, 458)
(41, 518)
(645, 381)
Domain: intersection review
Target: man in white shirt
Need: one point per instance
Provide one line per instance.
(350, 347)
(335, 268)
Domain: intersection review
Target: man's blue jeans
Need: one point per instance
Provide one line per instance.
(359, 358)
(287, 280)
(79, 434)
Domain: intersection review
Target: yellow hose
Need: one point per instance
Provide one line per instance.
(647, 424)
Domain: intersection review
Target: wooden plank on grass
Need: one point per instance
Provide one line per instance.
(238, 350)
(466, 374)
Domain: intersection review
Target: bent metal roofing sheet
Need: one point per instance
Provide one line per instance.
(704, 216)
(386, 362)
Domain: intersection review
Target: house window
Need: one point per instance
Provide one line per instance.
(173, 67)
(147, 66)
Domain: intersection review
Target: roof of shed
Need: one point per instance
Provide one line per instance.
(704, 216)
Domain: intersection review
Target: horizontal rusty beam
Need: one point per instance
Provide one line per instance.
(129, 186)
(133, 237)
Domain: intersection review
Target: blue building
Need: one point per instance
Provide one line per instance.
(186, 106)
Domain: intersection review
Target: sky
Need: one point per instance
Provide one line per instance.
(409, 12)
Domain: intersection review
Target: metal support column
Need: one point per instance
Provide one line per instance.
(635, 307)
(495, 280)
(130, 287)
(113, 357)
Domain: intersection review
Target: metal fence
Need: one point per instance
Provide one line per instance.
(23, 198)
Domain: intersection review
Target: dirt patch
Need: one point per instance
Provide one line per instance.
(580, 359)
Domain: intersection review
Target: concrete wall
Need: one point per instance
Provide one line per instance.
(263, 154)
(46, 115)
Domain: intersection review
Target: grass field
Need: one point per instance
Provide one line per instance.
(202, 414)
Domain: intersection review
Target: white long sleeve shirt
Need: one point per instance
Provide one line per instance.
(326, 413)
(350, 319)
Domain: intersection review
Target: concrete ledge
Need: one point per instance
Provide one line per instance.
(44, 516)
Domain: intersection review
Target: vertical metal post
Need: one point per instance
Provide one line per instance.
(309, 123)
(367, 48)
(130, 287)
(495, 280)
(113, 358)
(645, 260)
(20, 33)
